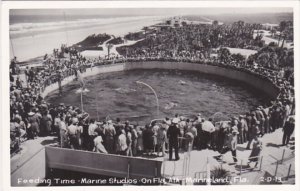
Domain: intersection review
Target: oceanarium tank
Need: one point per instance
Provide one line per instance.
(118, 95)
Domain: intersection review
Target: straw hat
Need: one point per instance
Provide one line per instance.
(175, 120)
(31, 113)
(75, 120)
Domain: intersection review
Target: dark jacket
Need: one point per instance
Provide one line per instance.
(289, 127)
(173, 133)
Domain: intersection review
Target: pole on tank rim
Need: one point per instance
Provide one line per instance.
(147, 85)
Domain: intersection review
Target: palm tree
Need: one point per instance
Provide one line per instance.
(263, 59)
(145, 29)
(273, 60)
(224, 55)
(109, 46)
(282, 27)
(238, 58)
(273, 31)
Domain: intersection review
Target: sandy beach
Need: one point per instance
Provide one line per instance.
(29, 47)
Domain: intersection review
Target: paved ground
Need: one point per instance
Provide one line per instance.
(272, 153)
(30, 148)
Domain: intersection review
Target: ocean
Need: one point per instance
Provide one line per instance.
(33, 36)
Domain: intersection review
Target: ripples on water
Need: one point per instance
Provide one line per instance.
(186, 93)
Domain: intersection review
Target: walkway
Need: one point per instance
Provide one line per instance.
(103, 53)
(199, 160)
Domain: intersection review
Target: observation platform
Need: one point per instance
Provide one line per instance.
(38, 156)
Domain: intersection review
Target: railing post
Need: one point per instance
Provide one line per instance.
(208, 172)
(164, 166)
(183, 165)
(289, 172)
(222, 161)
(128, 169)
(241, 167)
(260, 164)
(282, 156)
(277, 163)
(189, 162)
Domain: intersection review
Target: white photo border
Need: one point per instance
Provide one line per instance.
(5, 183)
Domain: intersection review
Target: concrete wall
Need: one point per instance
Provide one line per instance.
(102, 164)
(89, 72)
(252, 80)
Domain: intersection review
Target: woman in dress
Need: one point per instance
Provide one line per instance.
(140, 145)
(33, 126)
(99, 147)
(255, 153)
(148, 139)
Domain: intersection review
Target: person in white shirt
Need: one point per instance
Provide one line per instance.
(121, 144)
(208, 130)
(109, 134)
(99, 148)
(92, 133)
(62, 132)
(73, 132)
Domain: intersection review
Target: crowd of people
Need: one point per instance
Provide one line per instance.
(194, 40)
(31, 116)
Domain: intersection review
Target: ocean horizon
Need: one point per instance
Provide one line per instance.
(41, 35)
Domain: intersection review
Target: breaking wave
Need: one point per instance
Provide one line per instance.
(31, 28)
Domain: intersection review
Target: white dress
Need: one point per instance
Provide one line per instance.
(98, 145)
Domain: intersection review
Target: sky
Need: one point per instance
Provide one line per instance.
(151, 11)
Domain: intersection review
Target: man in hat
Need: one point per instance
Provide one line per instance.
(161, 138)
(233, 144)
(168, 122)
(155, 128)
(288, 130)
(286, 111)
(254, 132)
(243, 130)
(199, 117)
(92, 134)
(109, 134)
(173, 133)
(260, 117)
(134, 137)
(72, 132)
(33, 125)
(63, 133)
